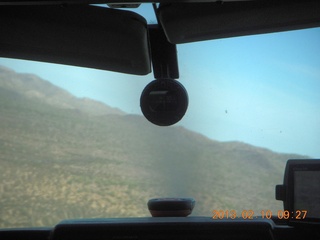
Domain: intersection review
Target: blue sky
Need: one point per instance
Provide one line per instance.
(263, 89)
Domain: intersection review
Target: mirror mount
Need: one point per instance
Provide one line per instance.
(163, 54)
(164, 101)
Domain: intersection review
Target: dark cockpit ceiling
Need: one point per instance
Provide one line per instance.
(105, 1)
(182, 21)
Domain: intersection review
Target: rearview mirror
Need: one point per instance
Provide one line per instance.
(80, 35)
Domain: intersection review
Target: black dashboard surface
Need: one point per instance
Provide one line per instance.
(168, 228)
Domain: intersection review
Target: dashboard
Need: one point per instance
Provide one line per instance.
(158, 228)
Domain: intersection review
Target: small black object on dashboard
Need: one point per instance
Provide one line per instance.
(171, 207)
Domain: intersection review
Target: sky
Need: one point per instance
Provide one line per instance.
(263, 90)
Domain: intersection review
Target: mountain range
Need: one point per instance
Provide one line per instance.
(67, 157)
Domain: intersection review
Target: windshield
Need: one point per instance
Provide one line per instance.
(74, 143)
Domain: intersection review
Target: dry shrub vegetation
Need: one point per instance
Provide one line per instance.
(61, 161)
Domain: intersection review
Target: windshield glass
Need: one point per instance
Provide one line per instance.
(74, 143)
